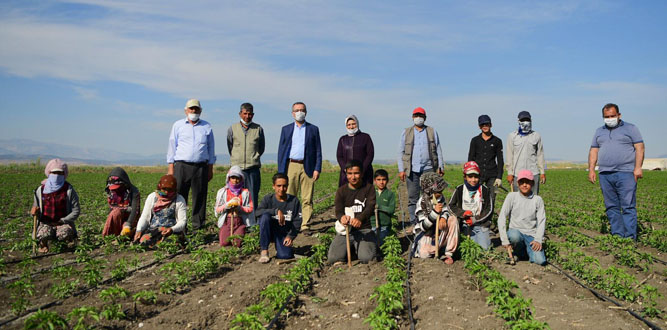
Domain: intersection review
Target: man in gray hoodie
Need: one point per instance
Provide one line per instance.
(525, 212)
(525, 151)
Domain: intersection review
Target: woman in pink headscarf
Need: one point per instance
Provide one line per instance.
(56, 205)
(233, 204)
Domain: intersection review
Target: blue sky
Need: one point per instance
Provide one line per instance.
(116, 74)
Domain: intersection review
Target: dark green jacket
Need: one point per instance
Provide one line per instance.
(386, 202)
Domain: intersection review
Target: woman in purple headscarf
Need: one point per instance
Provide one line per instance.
(355, 145)
(56, 205)
(233, 205)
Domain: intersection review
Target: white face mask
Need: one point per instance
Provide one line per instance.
(246, 123)
(193, 116)
(419, 121)
(300, 116)
(351, 132)
(525, 126)
(611, 122)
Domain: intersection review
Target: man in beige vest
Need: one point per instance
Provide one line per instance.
(245, 142)
(419, 152)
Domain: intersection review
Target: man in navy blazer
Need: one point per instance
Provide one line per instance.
(300, 157)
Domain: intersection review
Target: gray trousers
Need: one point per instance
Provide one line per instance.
(362, 242)
(536, 185)
(253, 182)
(195, 176)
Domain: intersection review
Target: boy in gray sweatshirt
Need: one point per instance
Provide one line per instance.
(525, 211)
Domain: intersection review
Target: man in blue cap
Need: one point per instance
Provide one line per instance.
(486, 150)
(525, 151)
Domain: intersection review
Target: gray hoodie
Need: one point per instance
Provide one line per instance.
(525, 214)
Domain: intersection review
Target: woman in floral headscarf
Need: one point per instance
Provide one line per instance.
(56, 205)
(233, 204)
(124, 204)
(164, 214)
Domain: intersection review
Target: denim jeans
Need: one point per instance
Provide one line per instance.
(479, 235)
(521, 246)
(619, 191)
(414, 190)
(271, 230)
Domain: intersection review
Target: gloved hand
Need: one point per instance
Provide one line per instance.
(467, 217)
(497, 183)
(468, 222)
(125, 231)
(234, 202)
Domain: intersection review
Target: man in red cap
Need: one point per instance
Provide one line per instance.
(419, 152)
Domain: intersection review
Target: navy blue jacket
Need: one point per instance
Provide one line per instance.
(312, 156)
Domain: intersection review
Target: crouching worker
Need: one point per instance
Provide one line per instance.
(354, 204)
(56, 205)
(164, 214)
(279, 220)
(123, 198)
(386, 205)
(527, 220)
(472, 205)
(431, 211)
(233, 205)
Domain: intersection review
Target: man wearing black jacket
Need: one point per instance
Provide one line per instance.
(486, 150)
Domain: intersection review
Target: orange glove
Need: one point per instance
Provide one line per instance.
(125, 232)
(467, 217)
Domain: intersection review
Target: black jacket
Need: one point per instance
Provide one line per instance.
(456, 206)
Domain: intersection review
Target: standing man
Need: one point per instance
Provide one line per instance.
(191, 155)
(525, 151)
(486, 150)
(300, 156)
(419, 152)
(245, 143)
(618, 149)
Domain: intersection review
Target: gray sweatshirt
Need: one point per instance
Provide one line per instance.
(525, 214)
(525, 152)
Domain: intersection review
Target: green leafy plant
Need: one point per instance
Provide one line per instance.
(20, 290)
(45, 320)
(113, 310)
(78, 316)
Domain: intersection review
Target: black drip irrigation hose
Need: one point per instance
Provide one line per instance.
(88, 289)
(605, 298)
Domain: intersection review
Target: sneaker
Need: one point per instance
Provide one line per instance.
(264, 259)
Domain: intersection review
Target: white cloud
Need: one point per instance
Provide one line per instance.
(86, 93)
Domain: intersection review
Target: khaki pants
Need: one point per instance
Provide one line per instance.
(300, 181)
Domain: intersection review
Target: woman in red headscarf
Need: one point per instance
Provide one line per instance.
(124, 204)
(164, 214)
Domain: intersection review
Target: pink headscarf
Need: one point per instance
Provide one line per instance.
(56, 164)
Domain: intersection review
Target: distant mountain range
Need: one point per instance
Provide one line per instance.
(23, 150)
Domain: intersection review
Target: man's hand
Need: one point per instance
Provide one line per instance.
(287, 242)
(537, 246)
(170, 169)
(510, 179)
(438, 208)
(591, 176)
(543, 179)
(442, 224)
(316, 175)
(33, 210)
(281, 218)
(356, 223)
(508, 247)
(401, 175)
(344, 220)
(638, 174)
(497, 183)
(166, 231)
(137, 236)
(441, 172)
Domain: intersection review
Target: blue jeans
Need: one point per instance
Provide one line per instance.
(619, 191)
(414, 190)
(521, 246)
(270, 230)
(479, 235)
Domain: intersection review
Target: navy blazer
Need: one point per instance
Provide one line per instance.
(312, 156)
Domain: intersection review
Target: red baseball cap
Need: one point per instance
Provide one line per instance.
(470, 167)
(419, 110)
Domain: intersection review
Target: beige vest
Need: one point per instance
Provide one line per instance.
(409, 145)
(244, 150)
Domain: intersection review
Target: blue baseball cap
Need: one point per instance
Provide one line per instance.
(483, 119)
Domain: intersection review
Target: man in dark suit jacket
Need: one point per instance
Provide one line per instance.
(300, 157)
